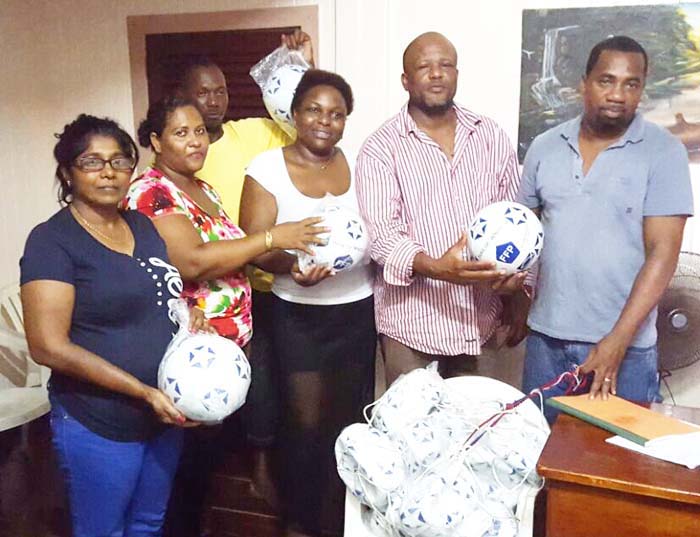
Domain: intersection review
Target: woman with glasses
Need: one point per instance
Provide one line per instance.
(96, 283)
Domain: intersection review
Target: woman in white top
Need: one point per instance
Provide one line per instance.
(324, 333)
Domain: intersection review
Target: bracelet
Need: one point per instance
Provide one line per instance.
(268, 240)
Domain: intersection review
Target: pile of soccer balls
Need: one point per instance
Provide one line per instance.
(433, 462)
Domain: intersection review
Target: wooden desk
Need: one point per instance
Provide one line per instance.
(595, 489)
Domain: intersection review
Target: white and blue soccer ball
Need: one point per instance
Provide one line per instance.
(205, 375)
(507, 233)
(345, 246)
(279, 92)
(370, 464)
(431, 507)
(413, 396)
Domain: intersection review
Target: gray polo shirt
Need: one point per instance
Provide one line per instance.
(593, 238)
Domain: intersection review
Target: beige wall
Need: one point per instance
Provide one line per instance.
(63, 57)
(60, 58)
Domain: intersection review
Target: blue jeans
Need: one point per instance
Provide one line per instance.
(115, 489)
(547, 357)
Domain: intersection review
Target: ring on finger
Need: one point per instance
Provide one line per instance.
(607, 379)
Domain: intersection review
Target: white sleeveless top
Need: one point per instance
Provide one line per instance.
(270, 171)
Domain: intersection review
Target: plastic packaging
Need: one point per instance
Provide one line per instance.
(278, 75)
(206, 376)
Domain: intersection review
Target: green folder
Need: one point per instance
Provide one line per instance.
(621, 417)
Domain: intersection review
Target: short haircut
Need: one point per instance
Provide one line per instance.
(157, 117)
(422, 37)
(620, 43)
(75, 139)
(318, 77)
(192, 63)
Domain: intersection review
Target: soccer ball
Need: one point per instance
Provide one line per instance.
(369, 464)
(206, 376)
(345, 245)
(279, 92)
(508, 234)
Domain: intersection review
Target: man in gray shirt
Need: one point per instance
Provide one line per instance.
(613, 192)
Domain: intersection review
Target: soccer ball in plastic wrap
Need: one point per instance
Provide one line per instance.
(279, 92)
(345, 245)
(412, 397)
(423, 442)
(508, 234)
(369, 463)
(206, 376)
(432, 508)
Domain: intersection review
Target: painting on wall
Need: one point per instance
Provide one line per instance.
(555, 47)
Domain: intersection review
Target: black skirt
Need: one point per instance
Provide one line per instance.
(316, 338)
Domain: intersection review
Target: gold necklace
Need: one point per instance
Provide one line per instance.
(327, 162)
(82, 219)
(323, 164)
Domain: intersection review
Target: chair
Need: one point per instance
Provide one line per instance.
(26, 399)
(11, 308)
(23, 395)
(12, 319)
(23, 399)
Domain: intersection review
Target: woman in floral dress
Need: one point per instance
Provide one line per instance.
(208, 249)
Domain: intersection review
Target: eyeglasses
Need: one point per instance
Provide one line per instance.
(96, 164)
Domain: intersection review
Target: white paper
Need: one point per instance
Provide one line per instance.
(683, 449)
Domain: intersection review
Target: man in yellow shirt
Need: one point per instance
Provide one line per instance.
(233, 145)
(228, 157)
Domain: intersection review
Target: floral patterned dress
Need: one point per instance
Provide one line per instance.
(226, 301)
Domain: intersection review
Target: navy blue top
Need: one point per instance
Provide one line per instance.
(120, 314)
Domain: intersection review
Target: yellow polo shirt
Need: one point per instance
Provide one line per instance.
(227, 160)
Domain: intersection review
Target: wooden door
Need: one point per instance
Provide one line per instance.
(235, 51)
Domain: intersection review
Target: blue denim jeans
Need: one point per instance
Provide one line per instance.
(115, 489)
(547, 357)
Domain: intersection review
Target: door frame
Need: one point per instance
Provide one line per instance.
(139, 26)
